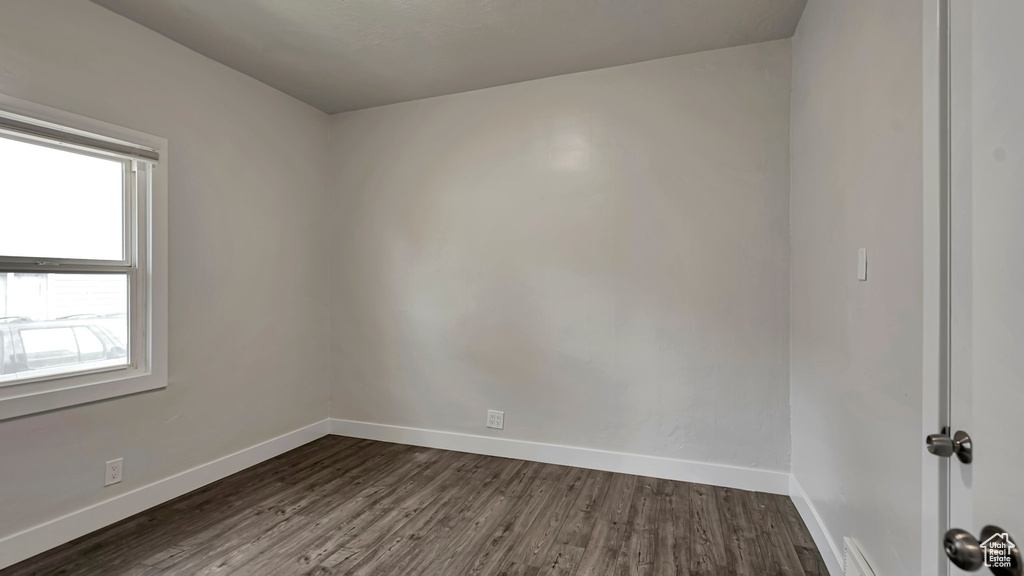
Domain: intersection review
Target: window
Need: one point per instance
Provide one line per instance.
(90, 349)
(47, 347)
(77, 263)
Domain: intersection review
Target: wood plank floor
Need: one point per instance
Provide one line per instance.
(347, 506)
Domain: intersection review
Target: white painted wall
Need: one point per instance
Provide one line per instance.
(856, 358)
(247, 187)
(604, 256)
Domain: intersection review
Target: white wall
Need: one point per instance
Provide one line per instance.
(856, 359)
(248, 328)
(604, 256)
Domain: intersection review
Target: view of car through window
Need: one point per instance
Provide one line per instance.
(53, 324)
(68, 218)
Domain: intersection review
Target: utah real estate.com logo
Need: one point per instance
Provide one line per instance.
(997, 550)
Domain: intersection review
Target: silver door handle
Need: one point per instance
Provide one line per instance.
(996, 550)
(943, 446)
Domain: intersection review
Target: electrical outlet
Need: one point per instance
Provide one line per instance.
(114, 470)
(495, 419)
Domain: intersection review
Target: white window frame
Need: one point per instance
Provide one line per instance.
(145, 263)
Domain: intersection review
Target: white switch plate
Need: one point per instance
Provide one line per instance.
(114, 470)
(862, 264)
(495, 419)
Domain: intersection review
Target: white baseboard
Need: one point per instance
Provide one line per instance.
(28, 543)
(770, 481)
(822, 539)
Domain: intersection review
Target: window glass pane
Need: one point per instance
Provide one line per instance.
(89, 345)
(46, 347)
(59, 204)
(62, 323)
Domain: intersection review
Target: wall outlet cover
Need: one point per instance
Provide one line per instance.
(115, 469)
(495, 419)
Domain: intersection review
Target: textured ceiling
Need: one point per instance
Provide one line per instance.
(343, 55)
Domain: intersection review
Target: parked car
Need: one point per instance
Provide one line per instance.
(33, 348)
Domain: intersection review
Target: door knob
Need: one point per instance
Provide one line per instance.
(963, 549)
(996, 550)
(944, 446)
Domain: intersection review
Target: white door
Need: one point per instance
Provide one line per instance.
(986, 355)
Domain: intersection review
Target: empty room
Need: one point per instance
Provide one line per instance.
(511, 287)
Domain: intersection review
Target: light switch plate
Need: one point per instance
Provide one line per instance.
(862, 264)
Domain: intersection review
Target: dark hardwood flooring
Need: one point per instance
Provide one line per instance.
(347, 506)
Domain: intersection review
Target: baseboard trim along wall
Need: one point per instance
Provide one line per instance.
(770, 481)
(822, 539)
(27, 543)
(48, 535)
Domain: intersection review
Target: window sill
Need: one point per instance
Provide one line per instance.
(23, 400)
